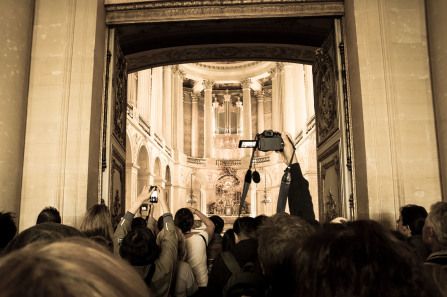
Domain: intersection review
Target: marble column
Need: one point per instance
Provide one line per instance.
(299, 100)
(180, 138)
(16, 35)
(166, 104)
(208, 117)
(246, 101)
(174, 106)
(288, 99)
(144, 94)
(131, 183)
(309, 91)
(436, 24)
(195, 124)
(260, 108)
(276, 95)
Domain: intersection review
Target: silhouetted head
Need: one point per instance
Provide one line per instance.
(412, 219)
(245, 227)
(49, 215)
(218, 224)
(228, 240)
(139, 247)
(8, 228)
(45, 233)
(68, 268)
(184, 219)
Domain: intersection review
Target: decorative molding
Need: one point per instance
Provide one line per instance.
(261, 160)
(325, 89)
(158, 11)
(130, 110)
(310, 124)
(158, 140)
(228, 66)
(228, 163)
(198, 161)
(120, 98)
(144, 125)
(188, 54)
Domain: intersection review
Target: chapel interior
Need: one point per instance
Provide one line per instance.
(99, 98)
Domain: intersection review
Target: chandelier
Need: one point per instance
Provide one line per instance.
(191, 200)
(265, 199)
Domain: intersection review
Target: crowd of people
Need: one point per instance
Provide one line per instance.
(280, 255)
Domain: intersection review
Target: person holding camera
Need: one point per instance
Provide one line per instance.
(154, 263)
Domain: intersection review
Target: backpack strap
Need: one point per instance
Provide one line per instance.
(231, 262)
(150, 274)
(203, 237)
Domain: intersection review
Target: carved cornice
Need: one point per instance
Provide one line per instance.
(228, 67)
(186, 54)
(157, 11)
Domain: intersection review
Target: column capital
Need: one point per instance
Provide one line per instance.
(181, 74)
(195, 96)
(276, 68)
(246, 83)
(208, 84)
(259, 95)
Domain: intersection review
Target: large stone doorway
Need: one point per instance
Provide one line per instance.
(155, 35)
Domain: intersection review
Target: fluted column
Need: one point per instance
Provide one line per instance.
(246, 101)
(288, 107)
(299, 99)
(195, 124)
(309, 86)
(180, 123)
(208, 118)
(276, 95)
(174, 106)
(167, 95)
(260, 100)
(144, 93)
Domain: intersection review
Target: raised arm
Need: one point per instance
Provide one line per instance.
(124, 225)
(208, 223)
(300, 201)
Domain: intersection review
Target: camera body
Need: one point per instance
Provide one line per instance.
(144, 207)
(268, 140)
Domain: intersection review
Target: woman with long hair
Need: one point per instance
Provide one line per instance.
(97, 225)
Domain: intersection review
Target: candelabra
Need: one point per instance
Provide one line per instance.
(191, 200)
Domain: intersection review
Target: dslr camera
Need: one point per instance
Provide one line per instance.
(268, 140)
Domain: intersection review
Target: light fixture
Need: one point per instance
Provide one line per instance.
(191, 200)
(265, 199)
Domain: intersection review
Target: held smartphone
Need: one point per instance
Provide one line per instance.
(154, 195)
